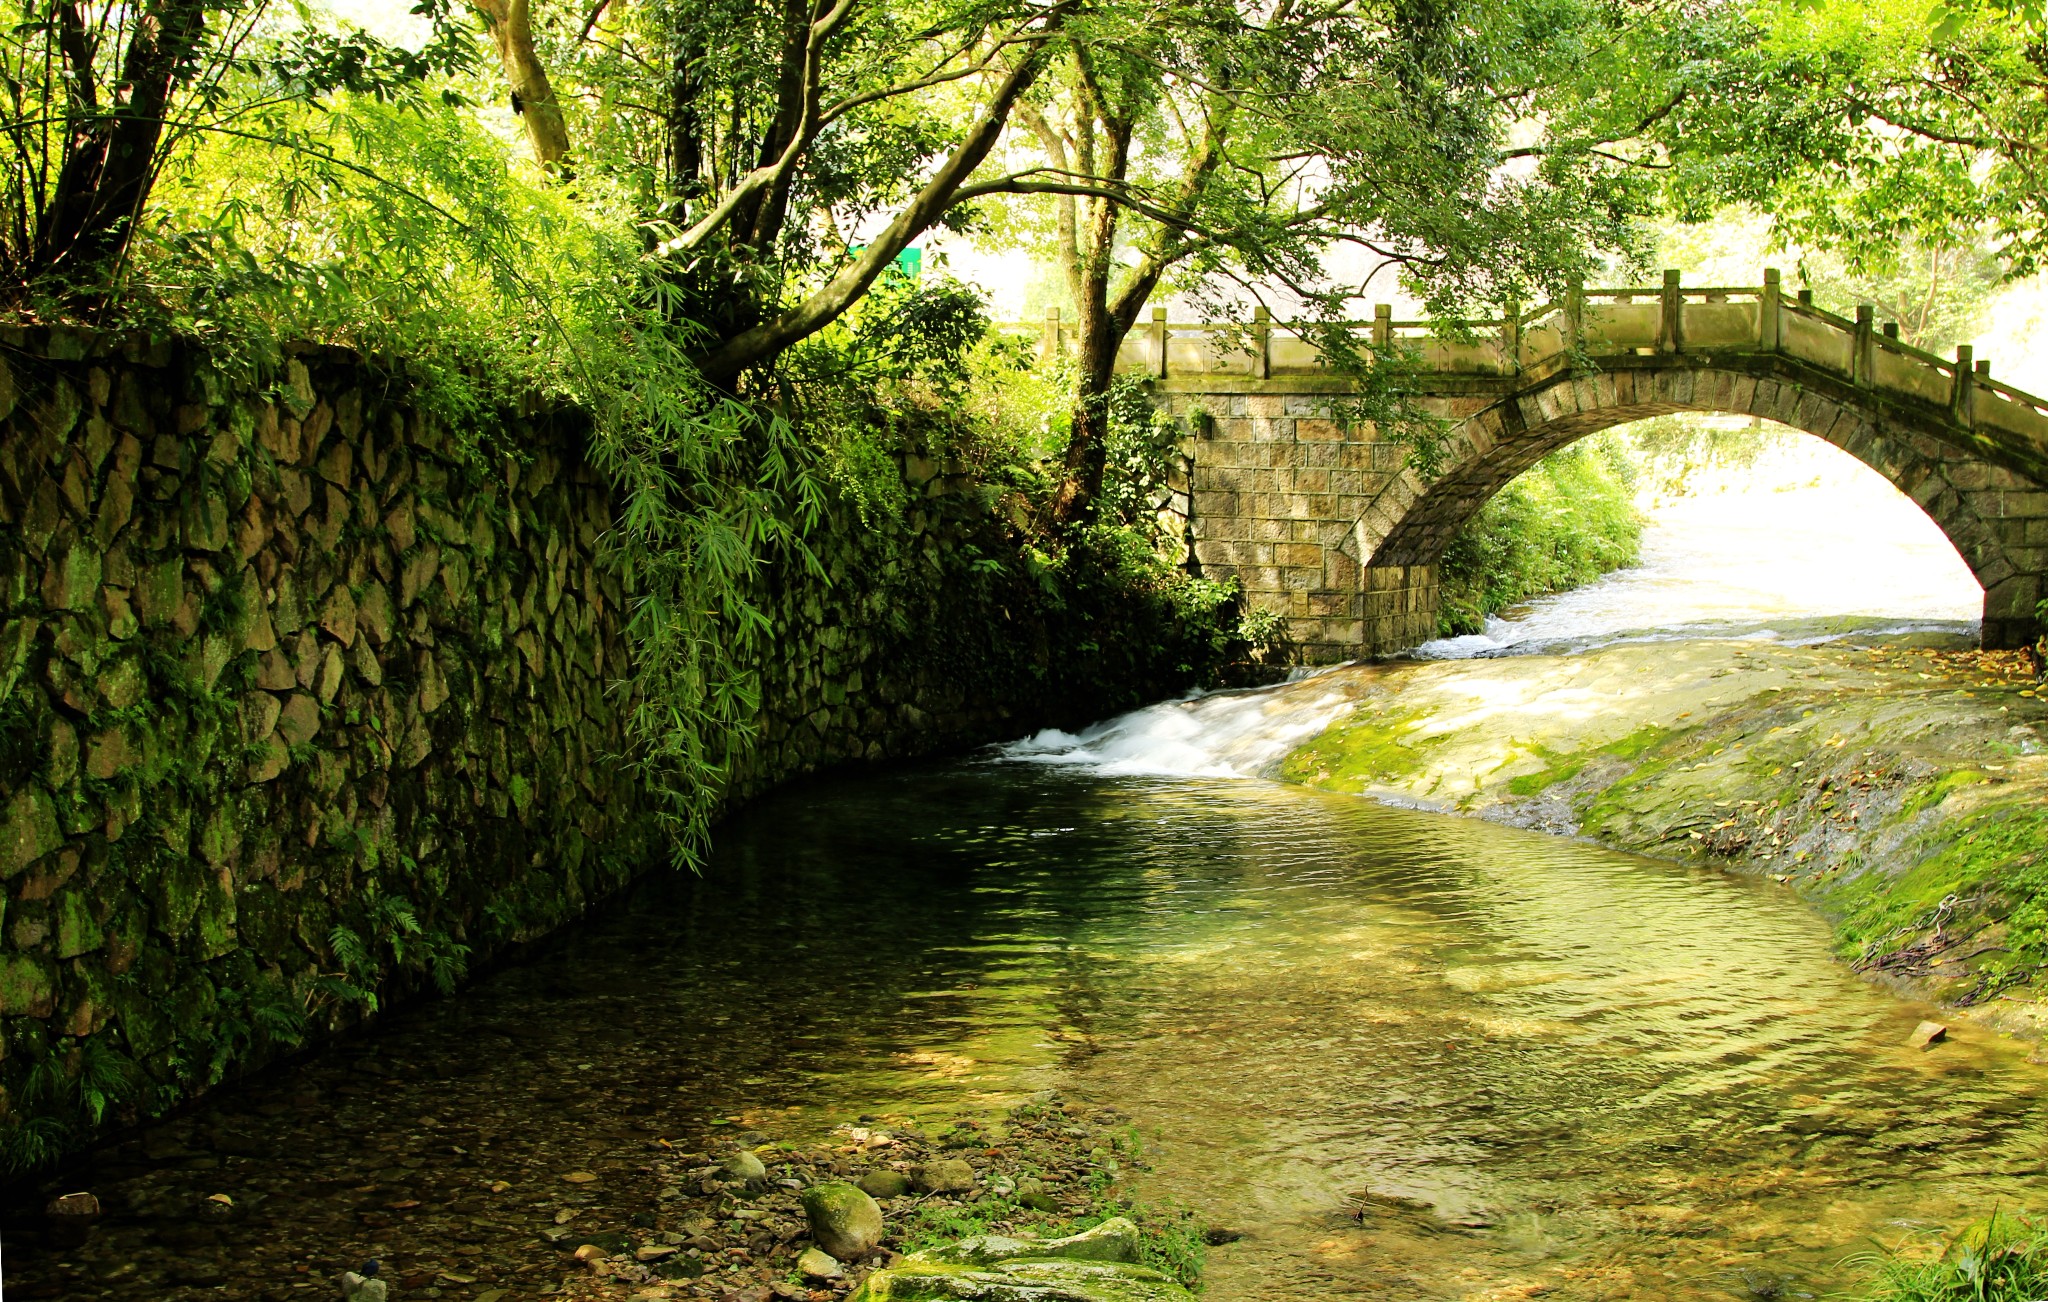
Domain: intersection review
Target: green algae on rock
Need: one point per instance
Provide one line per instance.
(844, 1221)
(1902, 789)
(1096, 1265)
(1027, 1280)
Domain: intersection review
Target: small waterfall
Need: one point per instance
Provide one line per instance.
(1237, 734)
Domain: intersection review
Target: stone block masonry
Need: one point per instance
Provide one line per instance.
(1326, 526)
(1268, 464)
(302, 699)
(296, 694)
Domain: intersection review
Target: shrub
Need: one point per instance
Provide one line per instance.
(1566, 521)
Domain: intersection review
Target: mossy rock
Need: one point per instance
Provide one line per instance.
(1025, 1280)
(843, 1221)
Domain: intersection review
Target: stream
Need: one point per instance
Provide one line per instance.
(1404, 1055)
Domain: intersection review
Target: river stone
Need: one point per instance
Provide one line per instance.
(1031, 1280)
(844, 1221)
(1116, 1239)
(980, 1250)
(362, 1288)
(953, 1175)
(819, 1265)
(1031, 1193)
(744, 1166)
(885, 1183)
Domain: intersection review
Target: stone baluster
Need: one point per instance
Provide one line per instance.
(1962, 403)
(1671, 321)
(1052, 334)
(1382, 325)
(1863, 351)
(1262, 341)
(1575, 316)
(1159, 343)
(1769, 319)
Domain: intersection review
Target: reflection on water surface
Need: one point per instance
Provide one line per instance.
(1409, 1055)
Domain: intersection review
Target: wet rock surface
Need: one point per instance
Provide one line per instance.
(321, 1186)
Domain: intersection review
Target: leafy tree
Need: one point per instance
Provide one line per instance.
(98, 95)
(1903, 137)
(1228, 149)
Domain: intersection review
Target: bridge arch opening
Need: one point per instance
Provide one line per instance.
(1746, 525)
(1987, 513)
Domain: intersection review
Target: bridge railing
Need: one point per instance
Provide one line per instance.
(1591, 324)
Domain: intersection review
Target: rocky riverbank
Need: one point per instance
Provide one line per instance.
(874, 1206)
(1902, 789)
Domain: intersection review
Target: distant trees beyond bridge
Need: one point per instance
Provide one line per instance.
(1327, 523)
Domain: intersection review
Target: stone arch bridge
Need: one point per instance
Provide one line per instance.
(1327, 526)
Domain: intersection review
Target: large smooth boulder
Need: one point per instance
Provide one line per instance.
(844, 1221)
(1097, 1265)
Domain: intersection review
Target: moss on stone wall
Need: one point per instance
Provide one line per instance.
(307, 704)
(280, 671)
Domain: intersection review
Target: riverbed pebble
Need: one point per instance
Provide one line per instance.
(950, 1175)
(818, 1265)
(883, 1184)
(1927, 1034)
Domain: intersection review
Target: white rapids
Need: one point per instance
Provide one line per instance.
(1238, 734)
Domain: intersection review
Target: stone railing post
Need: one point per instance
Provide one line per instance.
(1863, 352)
(1159, 343)
(1671, 322)
(1511, 336)
(1052, 334)
(1962, 401)
(1574, 315)
(1382, 325)
(1262, 342)
(1770, 325)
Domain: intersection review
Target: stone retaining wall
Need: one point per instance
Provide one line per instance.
(301, 701)
(273, 668)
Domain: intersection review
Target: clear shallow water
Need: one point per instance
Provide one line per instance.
(1409, 1055)
(1834, 551)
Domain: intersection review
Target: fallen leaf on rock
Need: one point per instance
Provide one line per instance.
(580, 1177)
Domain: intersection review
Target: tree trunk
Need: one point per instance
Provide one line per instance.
(111, 162)
(533, 95)
(685, 127)
(761, 344)
(1088, 437)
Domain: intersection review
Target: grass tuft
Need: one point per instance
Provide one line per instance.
(2002, 1258)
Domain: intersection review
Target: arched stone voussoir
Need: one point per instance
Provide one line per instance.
(1920, 456)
